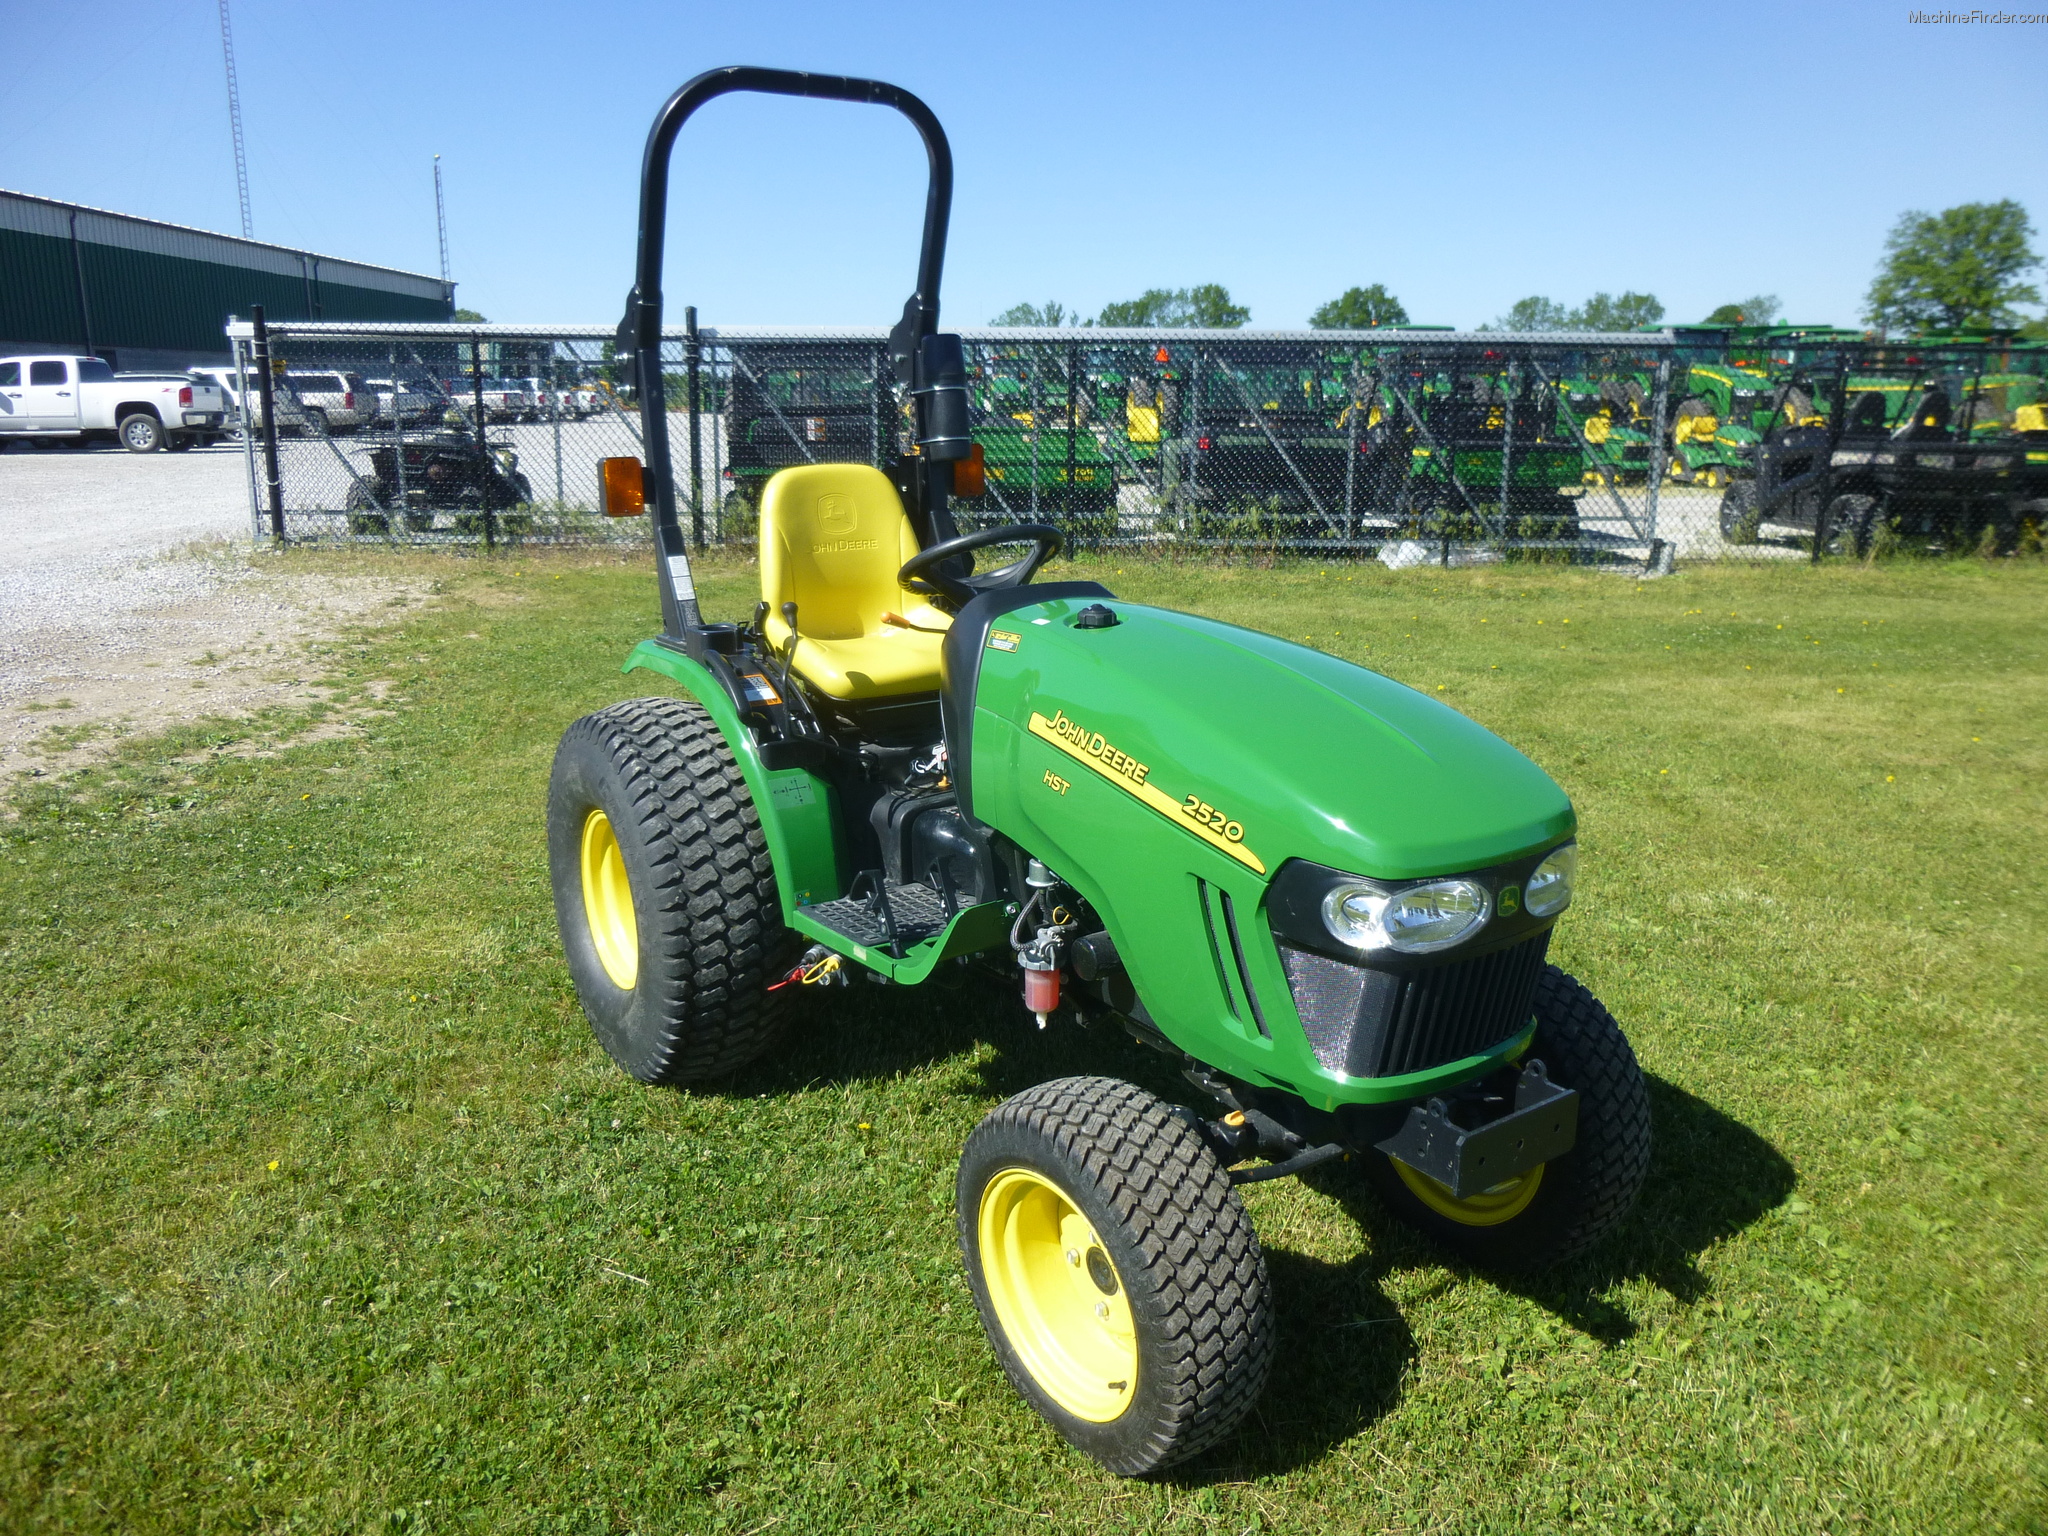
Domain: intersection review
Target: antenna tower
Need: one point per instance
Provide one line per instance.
(227, 52)
(440, 211)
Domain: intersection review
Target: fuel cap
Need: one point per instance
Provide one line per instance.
(1095, 616)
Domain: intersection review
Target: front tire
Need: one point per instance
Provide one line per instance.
(1562, 1207)
(1850, 522)
(1741, 517)
(1116, 1272)
(664, 892)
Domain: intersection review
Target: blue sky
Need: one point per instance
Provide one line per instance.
(1464, 155)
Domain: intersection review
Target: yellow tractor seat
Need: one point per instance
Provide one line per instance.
(833, 537)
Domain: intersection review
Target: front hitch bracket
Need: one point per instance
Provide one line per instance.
(1469, 1160)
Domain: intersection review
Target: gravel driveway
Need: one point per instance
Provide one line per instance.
(129, 600)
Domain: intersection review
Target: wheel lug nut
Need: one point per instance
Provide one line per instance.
(1073, 1257)
(1102, 1310)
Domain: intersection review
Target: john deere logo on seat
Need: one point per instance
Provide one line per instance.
(837, 514)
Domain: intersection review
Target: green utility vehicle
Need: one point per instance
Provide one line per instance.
(790, 403)
(1037, 461)
(901, 767)
(1459, 434)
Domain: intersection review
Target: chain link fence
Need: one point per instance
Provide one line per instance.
(1635, 451)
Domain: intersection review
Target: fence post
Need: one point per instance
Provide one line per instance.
(267, 393)
(397, 443)
(1508, 449)
(1351, 416)
(1074, 427)
(720, 395)
(484, 476)
(555, 416)
(1658, 457)
(1037, 429)
(248, 438)
(693, 353)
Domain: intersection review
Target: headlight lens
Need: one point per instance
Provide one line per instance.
(1550, 887)
(1417, 921)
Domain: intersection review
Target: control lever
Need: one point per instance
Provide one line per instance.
(789, 655)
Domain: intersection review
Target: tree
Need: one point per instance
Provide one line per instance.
(1534, 313)
(471, 317)
(1050, 313)
(1960, 267)
(1150, 308)
(1359, 309)
(1603, 312)
(1207, 306)
(1758, 309)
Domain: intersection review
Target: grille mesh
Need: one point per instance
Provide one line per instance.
(1373, 1023)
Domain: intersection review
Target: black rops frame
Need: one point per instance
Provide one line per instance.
(929, 370)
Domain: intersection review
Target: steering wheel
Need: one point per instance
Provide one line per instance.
(920, 572)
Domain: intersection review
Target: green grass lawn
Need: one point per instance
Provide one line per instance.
(320, 1209)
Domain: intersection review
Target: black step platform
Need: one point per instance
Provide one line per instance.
(916, 911)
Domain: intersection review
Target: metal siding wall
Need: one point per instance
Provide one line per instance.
(38, 293)
(163, 287)
(142, 299)
(341, 302)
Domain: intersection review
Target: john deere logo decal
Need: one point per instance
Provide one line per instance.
(1510, 900)
(1093, 750)
(837, 514)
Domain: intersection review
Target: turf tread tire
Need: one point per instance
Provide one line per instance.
(1181, 1240)
(1588, 1190)
(705, 901)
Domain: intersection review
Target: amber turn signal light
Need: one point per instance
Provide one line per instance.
(970, 475)
(621, 487)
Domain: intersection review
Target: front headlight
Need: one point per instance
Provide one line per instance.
(1550, 886)
(1416, 921)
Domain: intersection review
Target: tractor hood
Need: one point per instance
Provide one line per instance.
(1091, 740)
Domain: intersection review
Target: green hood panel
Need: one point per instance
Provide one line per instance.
(1311, 757)
(1168, 766)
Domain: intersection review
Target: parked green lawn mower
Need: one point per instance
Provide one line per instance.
(1322, 896)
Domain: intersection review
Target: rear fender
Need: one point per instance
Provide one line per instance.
(799, 814)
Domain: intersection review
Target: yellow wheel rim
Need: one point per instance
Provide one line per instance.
(1060, 1301)
(1488, 1208)
(608, 902)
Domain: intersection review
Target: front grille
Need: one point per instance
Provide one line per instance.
(1372, 1023)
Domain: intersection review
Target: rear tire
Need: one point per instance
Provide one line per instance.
(664, 892)
(141, 433)
(1850, 522)
(1568, 1204)
(1116, 1272)
(1740, 515)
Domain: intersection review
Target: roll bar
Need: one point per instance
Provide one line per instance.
(640, 331)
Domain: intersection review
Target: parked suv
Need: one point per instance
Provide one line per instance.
(331, 402)
(404, 400)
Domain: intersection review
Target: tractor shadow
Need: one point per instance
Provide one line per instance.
(1710, 1177)
(1345, 1348)
(866, 1033)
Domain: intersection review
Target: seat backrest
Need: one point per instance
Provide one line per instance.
(833, 537)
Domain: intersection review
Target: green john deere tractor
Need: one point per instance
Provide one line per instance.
(1323, 896)
(1717, 426)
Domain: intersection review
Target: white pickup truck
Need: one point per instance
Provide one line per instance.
(78, 399)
